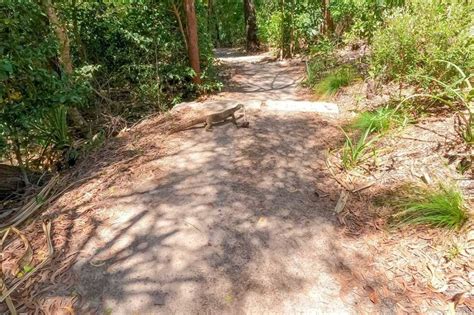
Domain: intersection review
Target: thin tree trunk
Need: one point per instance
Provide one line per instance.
(193, 41)
(65, 58)
(282, 30)
(328, 24)
(292, 28)
(251, 25)
(59, 29)
(180, 24)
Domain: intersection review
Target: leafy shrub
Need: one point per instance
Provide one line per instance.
(330, 84)
(442, 207)
(287, 26)
(366, 17)
(31, 83)
(139, 51)
(413, 38)
(130, 55)
(53, 128)
(322, 59)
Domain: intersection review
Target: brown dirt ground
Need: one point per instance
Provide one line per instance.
(242, 221)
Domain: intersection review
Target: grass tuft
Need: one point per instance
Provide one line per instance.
(354, 153)
(442, 207)
(330, 84)
(380, 120)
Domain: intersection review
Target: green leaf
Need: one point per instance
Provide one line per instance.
(6, 66)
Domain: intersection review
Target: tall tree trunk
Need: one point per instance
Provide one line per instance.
(193, 41)
(282, 30)
(292, 28)
(65, 58)
(328, 24)
(61, 34)
(251, 25)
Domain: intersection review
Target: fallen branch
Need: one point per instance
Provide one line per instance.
(15, 285)
(341, 203)
(329, 167)
(363, 187)
(3, 287)
(32, 206)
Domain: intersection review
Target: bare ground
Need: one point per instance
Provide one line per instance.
(226, 221)
(232, 221)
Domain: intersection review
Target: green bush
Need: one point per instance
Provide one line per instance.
(128, 60)
(413, 38)
(288, 26)
(366, 16)
(322, 59)
(31, 82)
(139, 49)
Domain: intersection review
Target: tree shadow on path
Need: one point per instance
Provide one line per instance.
(231, 224)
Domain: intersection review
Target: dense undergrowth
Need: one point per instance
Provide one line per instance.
(426, 52)
(126, 62)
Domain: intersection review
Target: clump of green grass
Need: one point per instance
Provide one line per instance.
(330, 84)
(354, 153)
(441, 207)
(380, 120)
(466, 128)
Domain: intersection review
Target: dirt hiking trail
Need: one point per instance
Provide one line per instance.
(226, 221)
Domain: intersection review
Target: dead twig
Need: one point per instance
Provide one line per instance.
(329, 167)
(32, 206)
(3, 287)
(363, 187)
(15, 285)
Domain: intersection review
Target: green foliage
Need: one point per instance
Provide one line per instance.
(334, 81)
(31, 82)
(54, 129)
(288, 26)
(322, 59)
(467, 129)
(456, 93)
(138, 49)
(442, 207)
(354, 153)
(380, 120)
(413, 38)
(366, 16)
(129, 60)
(226, 25)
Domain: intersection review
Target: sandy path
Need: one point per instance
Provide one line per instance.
(230, 222)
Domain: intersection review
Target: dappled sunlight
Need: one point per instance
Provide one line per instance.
(234, 225)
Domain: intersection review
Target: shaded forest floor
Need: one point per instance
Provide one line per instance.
(241, 220)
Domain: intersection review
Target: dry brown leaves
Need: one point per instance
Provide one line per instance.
(80, 192)
(431, 270)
